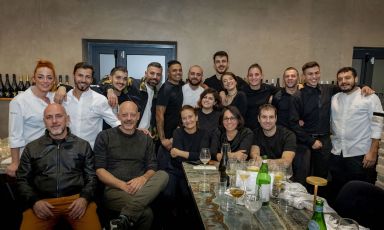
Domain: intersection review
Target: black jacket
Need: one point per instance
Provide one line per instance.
(312, 105)
(139, 85)
(51, 170)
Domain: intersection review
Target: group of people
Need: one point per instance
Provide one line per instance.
(149, 130)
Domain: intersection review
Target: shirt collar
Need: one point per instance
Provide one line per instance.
(48, 140)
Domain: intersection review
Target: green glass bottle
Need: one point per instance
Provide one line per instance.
(317, 222)
(263, 182)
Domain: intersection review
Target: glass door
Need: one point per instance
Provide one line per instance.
(135, 55)
(369, 64)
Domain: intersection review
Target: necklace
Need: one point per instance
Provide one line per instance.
(232, 95)
(229, 98)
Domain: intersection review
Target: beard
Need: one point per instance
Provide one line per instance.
(82, 87)
(349, 89)
(153, 82)
(222, 71)
(194, 83)
(57, 132)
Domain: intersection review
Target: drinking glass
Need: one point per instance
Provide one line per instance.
(252, 202)
(279, 172)
(205, 156)
(253, 165)
(288, 172)
(243, 174)
(231, 170)
(347, 224)
(222, 197)
(236, 192)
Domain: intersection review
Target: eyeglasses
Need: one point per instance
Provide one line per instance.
(226, 119)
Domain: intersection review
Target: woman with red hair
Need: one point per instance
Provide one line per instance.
(26, 111)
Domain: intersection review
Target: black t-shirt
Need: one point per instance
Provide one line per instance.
(282, 101)
(240, 102)
(242, 141)
(214, 83)
(274, 146)
(209, 122)
(256, 98)
(191, 143)
(170, 96)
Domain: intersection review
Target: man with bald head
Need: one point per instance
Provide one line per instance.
(126, 163)
(56, 177)
(193, 88)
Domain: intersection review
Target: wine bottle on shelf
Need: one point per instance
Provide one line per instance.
(1, 86)
(66, 80)
(263, 182)
(14, 85)
(278, 82)
(60, 79)
(27, 83)
(7, 87)
(21, 84)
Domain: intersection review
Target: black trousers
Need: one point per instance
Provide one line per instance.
(320, 158)
(345, 169)
(301, 164)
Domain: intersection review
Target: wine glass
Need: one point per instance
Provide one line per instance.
(243, 174)
(231, 170)
(236, 192)
(253, 165)
(205, 156)
(288, 172)
(279, 175)
(347, 223)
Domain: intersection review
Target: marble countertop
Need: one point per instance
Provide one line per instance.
(268, 217)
